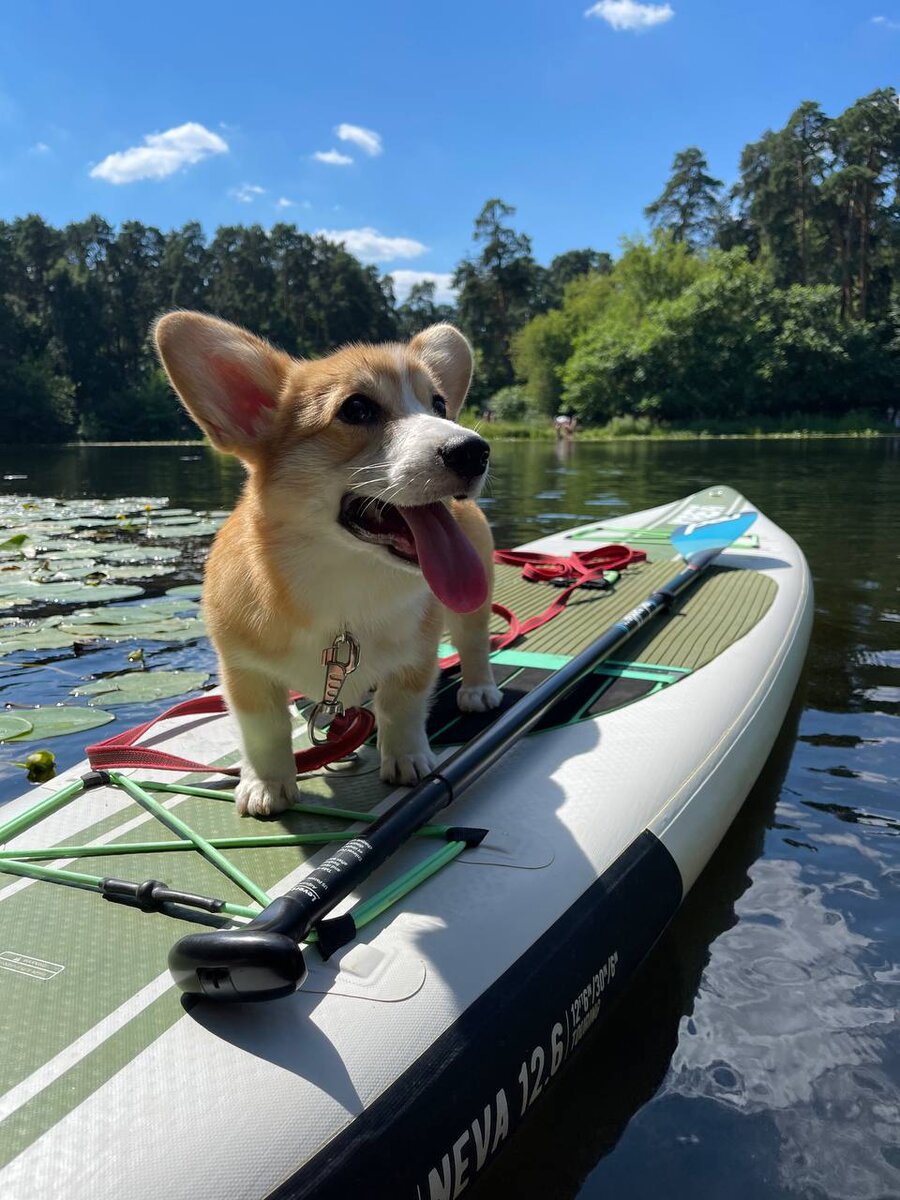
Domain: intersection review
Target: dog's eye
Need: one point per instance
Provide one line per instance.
(359, 410)
(439, 404)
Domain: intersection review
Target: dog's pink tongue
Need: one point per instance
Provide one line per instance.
(449, 561)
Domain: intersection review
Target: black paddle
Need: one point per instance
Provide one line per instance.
(262, 960)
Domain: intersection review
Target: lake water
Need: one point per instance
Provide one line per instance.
(758, 1054)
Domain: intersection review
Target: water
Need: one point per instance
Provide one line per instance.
(757, 1054)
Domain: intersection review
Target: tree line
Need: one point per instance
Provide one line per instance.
(780, 294)
(777, 296)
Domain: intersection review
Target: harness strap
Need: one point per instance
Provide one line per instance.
(346, 733)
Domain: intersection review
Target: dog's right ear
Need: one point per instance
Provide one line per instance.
(229, 381)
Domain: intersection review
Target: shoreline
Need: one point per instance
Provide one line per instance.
(528, 434)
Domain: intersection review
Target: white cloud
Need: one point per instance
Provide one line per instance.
(162, 154)
(247, 192)
(367, 139)
(886, 23)
(334, 158)
(628, 14)
(372, 246)
(444, 293)
(39, 148)
(283, 202)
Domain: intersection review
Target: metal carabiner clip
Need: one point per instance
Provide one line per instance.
(338, 668)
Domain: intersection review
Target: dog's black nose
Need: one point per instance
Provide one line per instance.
(467, 456)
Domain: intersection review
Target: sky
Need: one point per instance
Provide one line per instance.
(388, 124)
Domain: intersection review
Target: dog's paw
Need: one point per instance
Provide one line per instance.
(480, 698)
(254, 797)
(406, 768)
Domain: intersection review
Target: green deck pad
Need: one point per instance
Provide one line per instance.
(727, 605)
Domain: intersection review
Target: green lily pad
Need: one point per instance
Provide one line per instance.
(138, 571)
(135, 614)
(56, 720)
(42, 638)
(183, 529)
(139, 553)
(166, 630)
(73, 592)
(190, 590)
(141, 686)
(11, 727)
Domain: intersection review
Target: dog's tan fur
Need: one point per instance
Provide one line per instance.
(283, 577)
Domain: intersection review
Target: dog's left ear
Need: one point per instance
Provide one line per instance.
(448, 356)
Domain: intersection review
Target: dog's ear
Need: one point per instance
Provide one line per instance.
(448, 356)
(229, 380)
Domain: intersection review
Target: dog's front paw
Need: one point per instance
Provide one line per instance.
(406, 768)
(480, 698)
(255, 797)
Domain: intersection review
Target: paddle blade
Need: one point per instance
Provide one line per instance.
(706, 537)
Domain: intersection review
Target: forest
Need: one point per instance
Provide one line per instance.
(777, 296)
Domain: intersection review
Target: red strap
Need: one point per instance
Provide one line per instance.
(345, 734)
(584, 565)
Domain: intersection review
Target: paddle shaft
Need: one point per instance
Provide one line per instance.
(331, 882)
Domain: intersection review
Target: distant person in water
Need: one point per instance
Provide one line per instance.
(565, 424)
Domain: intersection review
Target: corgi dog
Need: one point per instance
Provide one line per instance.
(357, 516)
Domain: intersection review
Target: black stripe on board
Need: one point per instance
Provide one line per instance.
(453, 1111)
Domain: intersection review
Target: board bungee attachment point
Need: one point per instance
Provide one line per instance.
(263, 960)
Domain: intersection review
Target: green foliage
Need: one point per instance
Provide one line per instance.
(76, 306)
(499, 289)
(419, 310)
(819, 198)
(730, 345)
(513, 404)
(645, 273)
(689, 204)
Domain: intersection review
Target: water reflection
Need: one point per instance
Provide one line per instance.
(790, 1021)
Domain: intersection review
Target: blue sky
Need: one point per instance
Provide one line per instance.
(569, 114)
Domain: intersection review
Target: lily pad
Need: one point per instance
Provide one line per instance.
(56, 720)
(42, 638)
(142, 686)
(11, 727)
(190, 590)
(140, 553)
(171, 629)
(73, 592)
(134, 614)
(186, 530)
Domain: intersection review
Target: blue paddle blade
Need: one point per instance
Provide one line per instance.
(691, 540)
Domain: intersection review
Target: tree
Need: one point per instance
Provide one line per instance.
(571, 265)
(498, 291)
(647, 272)
(689, 202)
(781, 196)
(184, 268)
(862, 194)
(731, 345)
(420, 309)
